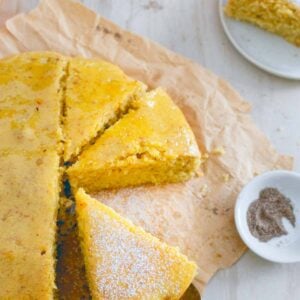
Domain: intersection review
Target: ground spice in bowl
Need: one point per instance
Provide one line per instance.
(264, 215)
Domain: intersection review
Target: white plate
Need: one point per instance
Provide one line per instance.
(266, 50)
(284, 249)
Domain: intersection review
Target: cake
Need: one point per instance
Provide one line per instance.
(30, 101)
(57, 111)
(97, 94)
(153, 143)
(123, 261)
(281, 17)
(29, 195)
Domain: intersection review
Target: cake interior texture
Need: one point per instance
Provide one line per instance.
(281, 17)
(123, 261)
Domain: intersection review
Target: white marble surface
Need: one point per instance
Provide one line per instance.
(192, 28)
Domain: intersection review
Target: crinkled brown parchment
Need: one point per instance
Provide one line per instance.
(196, 216)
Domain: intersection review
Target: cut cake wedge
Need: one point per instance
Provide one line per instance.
(97, 93)
(153, 143)
(123, 261)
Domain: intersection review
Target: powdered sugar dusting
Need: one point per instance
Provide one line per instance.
(130, 264)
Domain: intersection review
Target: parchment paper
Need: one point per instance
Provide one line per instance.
(196, 216)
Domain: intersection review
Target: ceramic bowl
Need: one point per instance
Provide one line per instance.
(284, 249)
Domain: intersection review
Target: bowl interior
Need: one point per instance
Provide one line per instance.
(282, 249)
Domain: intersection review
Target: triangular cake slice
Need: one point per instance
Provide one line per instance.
(30, 101)
(29, 196)
(153, 143)
(97, 93)
(123, 261)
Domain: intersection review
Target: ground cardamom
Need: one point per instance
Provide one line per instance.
(264, 215)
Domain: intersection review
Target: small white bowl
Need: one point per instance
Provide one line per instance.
(284, 249)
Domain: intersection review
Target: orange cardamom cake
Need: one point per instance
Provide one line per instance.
(116, 134)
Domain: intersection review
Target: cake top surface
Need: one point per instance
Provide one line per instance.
(30, 101)
(154, 128)
(30, 148)
(28, 189)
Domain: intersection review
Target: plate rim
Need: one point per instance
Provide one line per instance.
(245, 54)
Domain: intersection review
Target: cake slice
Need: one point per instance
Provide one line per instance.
(281, 17)
(97, 93)
(123, 261)
(30, 101)
(153, 143)
(29, 195)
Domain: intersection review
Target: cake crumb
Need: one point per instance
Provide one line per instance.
(204, 190)
(199, 173)
(218, 151)
(226, 177)
(204, 157)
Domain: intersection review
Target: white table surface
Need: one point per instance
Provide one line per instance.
(192, 28)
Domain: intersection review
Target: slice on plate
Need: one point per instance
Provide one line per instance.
(30, 101)
(281, 17)
(153, 143)
(123, 261)
(97, 93)
(29, 195)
